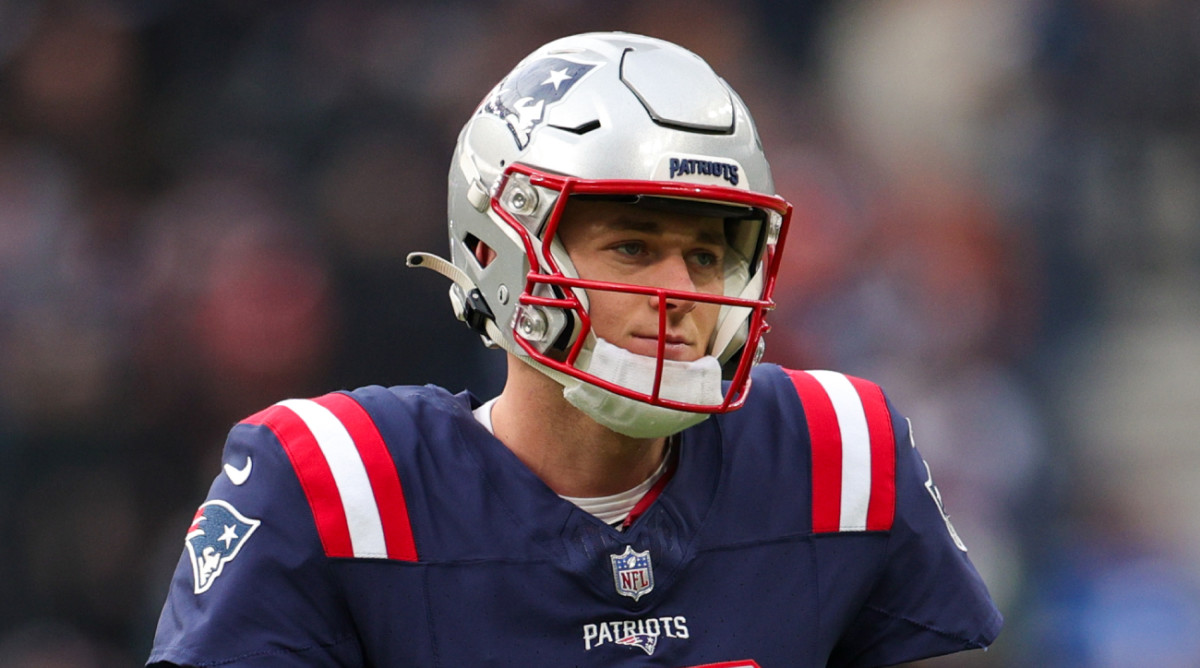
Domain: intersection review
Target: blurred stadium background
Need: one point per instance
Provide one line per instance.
(205, 206)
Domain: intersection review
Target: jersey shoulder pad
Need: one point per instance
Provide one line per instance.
(853, 448)
(347, 473)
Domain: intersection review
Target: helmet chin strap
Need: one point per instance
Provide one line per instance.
(697, 382)
(492, 335)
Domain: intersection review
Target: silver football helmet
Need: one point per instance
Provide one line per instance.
(608, 115)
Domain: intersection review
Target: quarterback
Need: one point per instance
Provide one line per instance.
(643, 492)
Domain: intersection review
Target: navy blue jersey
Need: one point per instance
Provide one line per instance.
(387, 527)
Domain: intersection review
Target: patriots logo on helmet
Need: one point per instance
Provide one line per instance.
(646, 641)
(520, 100)
(217, 534)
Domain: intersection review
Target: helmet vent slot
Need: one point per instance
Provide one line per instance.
(581, 129)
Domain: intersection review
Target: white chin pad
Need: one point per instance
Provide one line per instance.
(697, 382)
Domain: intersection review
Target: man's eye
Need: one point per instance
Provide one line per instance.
(630, 248)
(706, 258)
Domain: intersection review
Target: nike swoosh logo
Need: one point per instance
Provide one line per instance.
(238, 476)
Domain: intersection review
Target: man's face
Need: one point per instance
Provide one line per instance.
(623, 243)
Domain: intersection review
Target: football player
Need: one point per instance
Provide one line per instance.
(643, 491)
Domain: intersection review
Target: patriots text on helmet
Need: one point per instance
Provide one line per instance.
(685, 166)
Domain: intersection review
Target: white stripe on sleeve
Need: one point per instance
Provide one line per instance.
(856, 448)
(358, 499)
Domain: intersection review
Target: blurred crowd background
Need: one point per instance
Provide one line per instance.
(205, 208)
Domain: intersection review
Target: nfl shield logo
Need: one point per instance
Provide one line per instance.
(632, 573)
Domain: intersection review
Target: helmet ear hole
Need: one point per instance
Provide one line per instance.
(477, 250)
(483, 253)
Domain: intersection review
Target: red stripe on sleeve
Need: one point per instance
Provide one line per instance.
(882, 508)
(316, 478)
(826, 443)
(381, 471)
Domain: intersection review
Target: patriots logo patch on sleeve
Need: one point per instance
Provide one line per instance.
(217, 534)
(521, 98)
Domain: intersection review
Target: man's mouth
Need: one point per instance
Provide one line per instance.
(674, 347)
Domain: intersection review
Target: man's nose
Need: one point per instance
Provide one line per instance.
(674, 274)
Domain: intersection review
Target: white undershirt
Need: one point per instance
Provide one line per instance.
(612, 509)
